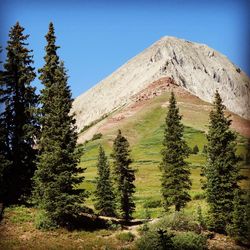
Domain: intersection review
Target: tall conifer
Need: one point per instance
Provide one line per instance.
(4, 162)
(124, 176)
(175, 174)
(105, 198)
(19, 116)
(58, 174)
(221, 171)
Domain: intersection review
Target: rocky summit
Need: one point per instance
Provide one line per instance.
(197, 68)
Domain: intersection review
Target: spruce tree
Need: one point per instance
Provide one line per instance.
(239, 227)
(221, 171)
(175, 173)
(104, 195)
(58, 174)
(124, 176)
(19, 117)
(4, 161)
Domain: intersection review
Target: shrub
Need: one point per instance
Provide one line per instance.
(195, 150)
(179, 222)
(97, 136)
(144, 228)
(152, 204)
(125, 237)
(42, 221)
(199, 196)
(204, 151)
(200, 218)
(112, 226)
(155, 240)
(190, 241)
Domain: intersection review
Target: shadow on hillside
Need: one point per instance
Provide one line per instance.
(92, 222)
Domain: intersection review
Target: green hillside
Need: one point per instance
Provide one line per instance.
(144, 131)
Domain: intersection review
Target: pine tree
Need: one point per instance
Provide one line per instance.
(239, 225)
(104, 195)
(19, 116)
(4, 162)
(58, 174)
(124, 176)
(221, 171)
(195, 150)
(175, 173)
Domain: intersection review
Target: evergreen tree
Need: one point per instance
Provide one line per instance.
(204, 150)
(221, 171)
(104, 195)
(124, 176)
(58, 174)
(175, 173)
(195, 150)
(19, 117)
(4, 162)
(239, 227)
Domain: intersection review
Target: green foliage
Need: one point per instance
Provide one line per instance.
(124, 176)
(204, 150)
(20, 214)
(199, 196)
(190, 241)
(18, 119)
(221, 171)
(43, 221)
(179, 221)
(201, 218)
(175, 174)
(96, 136)
(125, 237)
(152, 204)
(195, 150)
(161, 239)
(57, 175)
(104, 195)
(158, 239)
(239, 228)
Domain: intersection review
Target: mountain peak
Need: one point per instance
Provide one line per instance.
(196, 67)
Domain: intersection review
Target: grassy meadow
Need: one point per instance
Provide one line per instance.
(145, 132)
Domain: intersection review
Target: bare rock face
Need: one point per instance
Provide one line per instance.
(196, 67)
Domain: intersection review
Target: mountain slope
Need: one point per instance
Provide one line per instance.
(196, 67)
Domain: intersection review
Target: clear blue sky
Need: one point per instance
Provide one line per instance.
(96, 37)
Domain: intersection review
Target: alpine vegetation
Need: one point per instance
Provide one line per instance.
(175, 173)
(57, 174)
(124, 176)
(104, 193)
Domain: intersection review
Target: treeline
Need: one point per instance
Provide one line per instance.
(39, 158)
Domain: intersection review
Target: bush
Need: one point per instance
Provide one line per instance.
(195, 150)
(190, 241)
(125, 237)
(152, 204)
(97, 136)
(179, 222)
(113, 226)
(199, 196)
(204, 151)
(155, 240)
(201, 218)
(42, 221)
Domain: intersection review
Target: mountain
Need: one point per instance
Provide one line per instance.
(195, 67)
